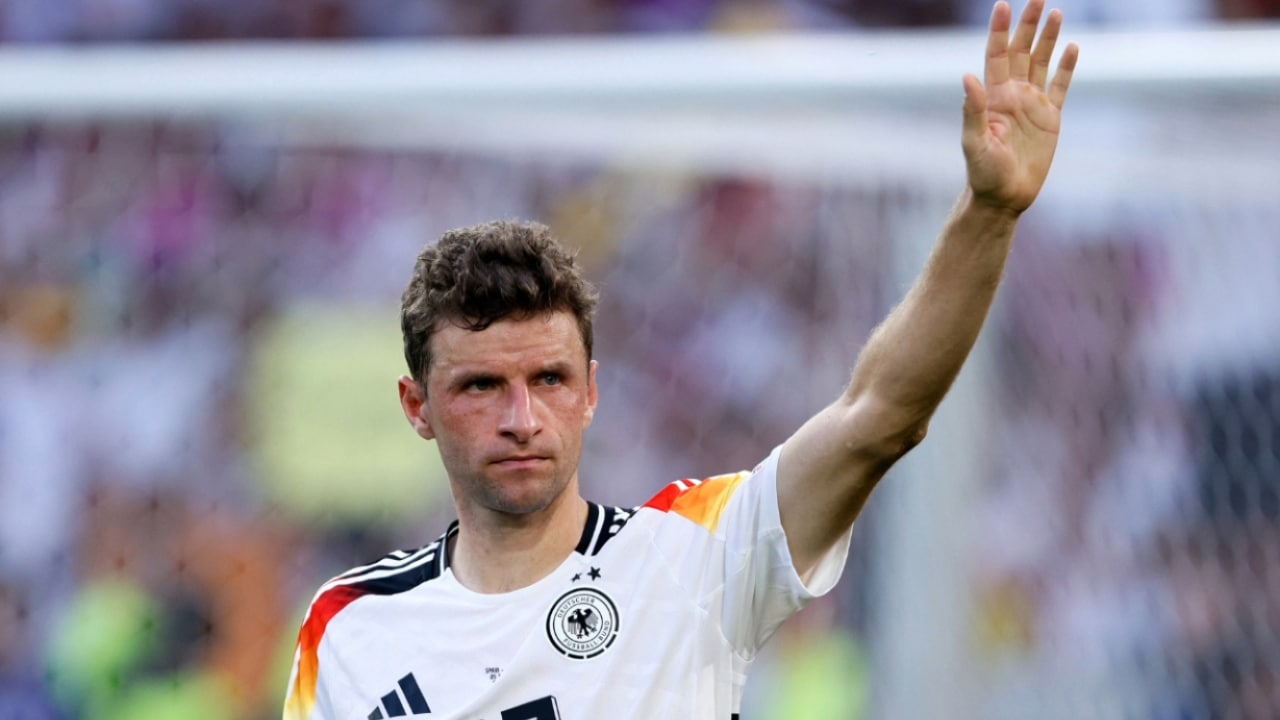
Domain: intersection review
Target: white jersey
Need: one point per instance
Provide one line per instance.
(657, 613)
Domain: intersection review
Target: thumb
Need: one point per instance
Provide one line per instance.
(975, 113)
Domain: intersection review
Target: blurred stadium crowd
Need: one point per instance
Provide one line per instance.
(186, 20)
(181, 314)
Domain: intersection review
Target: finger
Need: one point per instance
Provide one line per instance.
(997, 67)
(1020, 48)
(1043, 53)
(1062, 78)
(975, 113)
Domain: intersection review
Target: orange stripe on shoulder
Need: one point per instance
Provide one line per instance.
(301, 698)
(701, 501)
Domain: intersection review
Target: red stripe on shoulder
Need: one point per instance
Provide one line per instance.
(667, 496)
(702, 501)
(332, 601)
(329, 604)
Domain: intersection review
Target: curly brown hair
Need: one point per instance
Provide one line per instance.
(475, 276)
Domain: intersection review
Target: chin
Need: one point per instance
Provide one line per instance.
(524, 501)
(520, 506)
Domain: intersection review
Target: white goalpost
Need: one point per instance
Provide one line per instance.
(816, 105)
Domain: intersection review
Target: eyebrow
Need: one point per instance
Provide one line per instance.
(467, 377)
(464, 377)
(556, 366)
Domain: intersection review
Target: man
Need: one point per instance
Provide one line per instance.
(537, 604)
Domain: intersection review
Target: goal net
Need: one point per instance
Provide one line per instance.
(201, 255)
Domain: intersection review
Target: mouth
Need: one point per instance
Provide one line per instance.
(517, 462)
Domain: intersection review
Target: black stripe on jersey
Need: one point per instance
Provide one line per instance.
(391, 578)
(442, 560)
(394, 559)
(403, 581)
(614, 518)
(425, 557)
(413, 695)
(589, 529)
(391, 701)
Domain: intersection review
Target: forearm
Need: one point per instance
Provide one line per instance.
(914, 356)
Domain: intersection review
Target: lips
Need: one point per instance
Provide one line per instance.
(519, 461)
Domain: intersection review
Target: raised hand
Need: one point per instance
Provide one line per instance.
(1011, 118)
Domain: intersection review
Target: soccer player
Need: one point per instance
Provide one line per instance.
(537, 604)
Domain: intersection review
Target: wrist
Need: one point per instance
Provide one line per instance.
(987, 209)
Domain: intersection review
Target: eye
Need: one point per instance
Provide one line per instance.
(551, 378)
(479, 384)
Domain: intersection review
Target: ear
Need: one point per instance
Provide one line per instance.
(593, 392)
(413, 401)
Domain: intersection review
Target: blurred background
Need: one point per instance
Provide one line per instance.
(208, 211)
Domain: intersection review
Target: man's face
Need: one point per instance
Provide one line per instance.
(507, 407)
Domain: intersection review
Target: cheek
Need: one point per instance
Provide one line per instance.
(574, 414)
(458, 421)
(456, 440)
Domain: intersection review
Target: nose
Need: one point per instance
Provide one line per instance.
(520, 419)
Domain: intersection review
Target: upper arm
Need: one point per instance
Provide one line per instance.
(829, 467)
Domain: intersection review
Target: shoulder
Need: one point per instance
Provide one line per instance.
(396, 572)
(702, 501)
(707, 501)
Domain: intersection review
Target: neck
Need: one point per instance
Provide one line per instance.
(497, 553)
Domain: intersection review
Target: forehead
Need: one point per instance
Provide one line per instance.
(546, 338)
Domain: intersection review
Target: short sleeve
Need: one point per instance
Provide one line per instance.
(761, 585)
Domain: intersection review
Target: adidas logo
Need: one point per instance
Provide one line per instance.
(394, 706)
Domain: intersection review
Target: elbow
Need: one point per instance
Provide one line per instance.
(881, 434)
(895, 446)
(913, 437)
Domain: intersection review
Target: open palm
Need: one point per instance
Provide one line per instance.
(1011, 118)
